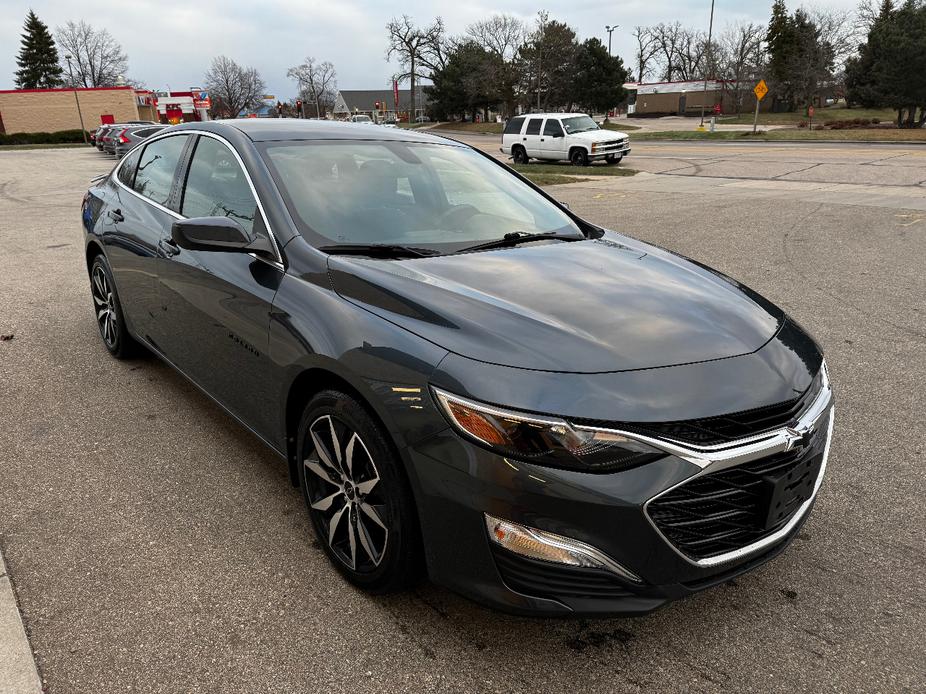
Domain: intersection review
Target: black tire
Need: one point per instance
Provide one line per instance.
(379, 556)
(611, 159)
(578, 157)
(519, 154)
(107, 310)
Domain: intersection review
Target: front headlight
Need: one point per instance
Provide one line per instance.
(543, 440)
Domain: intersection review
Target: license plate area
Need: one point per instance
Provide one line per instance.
(786, 491)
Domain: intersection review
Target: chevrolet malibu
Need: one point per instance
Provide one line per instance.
(465, 379)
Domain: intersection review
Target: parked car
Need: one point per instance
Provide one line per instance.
(422, 119)
(361, 118)
(99, 138)
(562, 136)
(462, 375)
(126, 138)
(100, 135)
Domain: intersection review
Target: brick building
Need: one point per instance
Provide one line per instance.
(51, 110)
(685, 98)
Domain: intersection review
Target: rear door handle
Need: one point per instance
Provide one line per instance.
(116, 215)
(168, 247)
(541, 139)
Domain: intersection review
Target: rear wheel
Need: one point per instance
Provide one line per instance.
(578, 157)
(519, 154)
(357, 495)
(108, 310)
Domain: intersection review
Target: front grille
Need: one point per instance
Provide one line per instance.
(723, 511)
(547, 580)
(730, 427)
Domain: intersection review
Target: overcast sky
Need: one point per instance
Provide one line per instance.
(171, 42)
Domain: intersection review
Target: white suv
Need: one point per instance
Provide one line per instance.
(572, 136)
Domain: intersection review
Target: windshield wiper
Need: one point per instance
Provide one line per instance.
(378, 250)
(516, 237)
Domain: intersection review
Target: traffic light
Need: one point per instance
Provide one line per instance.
(280, 108)
(377, 105)
(299, 107)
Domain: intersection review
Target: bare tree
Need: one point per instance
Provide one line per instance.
(415, 47)
(502, 36)
(97, 59)
(839, 28)
(647, 47)
(232, 87)
(741, 59)
(317, 83)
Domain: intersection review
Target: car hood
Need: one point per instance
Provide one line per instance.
(599, 135)
(582, 306)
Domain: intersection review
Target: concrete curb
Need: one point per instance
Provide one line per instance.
(18, 674)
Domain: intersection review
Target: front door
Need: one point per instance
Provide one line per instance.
(215, 318)
(553, 140)
(682, 102)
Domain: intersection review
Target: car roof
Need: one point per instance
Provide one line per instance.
(269, 129)
(553, 115)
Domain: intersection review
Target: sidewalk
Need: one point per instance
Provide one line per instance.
(18, 674)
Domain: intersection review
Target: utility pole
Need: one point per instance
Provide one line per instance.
(80, 115)
(542, 15)
(610, 29)
(707, 53)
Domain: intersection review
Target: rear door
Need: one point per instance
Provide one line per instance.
(531, 136)
(553, 140)
(137, 215)
(215, 318)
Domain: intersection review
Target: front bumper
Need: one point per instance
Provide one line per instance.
(459, 483)
(598, 155)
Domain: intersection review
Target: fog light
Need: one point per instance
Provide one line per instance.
(539, 544)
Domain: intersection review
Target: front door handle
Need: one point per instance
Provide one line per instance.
(168, 247)
(116, 215)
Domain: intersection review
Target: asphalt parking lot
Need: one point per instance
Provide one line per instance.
(154, 545)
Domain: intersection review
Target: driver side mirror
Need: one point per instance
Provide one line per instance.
(217, 234)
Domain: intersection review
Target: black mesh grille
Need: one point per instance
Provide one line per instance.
(547, 580)
(726, 428)
(726, 510)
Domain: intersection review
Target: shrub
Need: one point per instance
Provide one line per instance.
(802, 124)
(875, 121)
(56, 138)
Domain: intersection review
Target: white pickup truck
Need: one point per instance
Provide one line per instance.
(555, 136)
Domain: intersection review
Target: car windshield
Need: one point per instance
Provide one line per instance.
(579, 124)
(434, 196)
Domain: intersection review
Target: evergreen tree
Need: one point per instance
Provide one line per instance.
(38, 57)
(599, 78)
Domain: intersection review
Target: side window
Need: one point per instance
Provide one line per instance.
(513, 127)
(533, 126)
(127, 169)
(216, 186)
(157, 166)
(552, 128)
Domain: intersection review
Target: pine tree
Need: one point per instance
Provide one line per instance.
(38, 57)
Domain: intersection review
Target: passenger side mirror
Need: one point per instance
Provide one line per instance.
(217, 234)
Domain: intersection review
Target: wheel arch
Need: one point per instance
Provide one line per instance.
(92, 251)
(315, 379)
(573, 148)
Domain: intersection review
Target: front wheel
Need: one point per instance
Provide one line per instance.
(579, 157)
(358, 498)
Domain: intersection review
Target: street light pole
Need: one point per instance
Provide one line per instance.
(610, 29)
(80, 115)
(707, 52)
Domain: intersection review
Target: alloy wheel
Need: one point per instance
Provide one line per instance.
(344, 490)
(104, 303)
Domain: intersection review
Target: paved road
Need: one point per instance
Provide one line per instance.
(156, 546)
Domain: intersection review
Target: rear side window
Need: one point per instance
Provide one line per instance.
(157, 167)
(127, 170)
(533, 126)
(552, 128)
(513, 127)
(216, 185)
(145, 132)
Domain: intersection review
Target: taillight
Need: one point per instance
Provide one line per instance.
(122, 138)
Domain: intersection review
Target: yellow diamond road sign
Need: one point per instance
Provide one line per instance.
(761, 90)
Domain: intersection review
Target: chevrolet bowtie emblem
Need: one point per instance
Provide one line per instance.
(796, 438)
